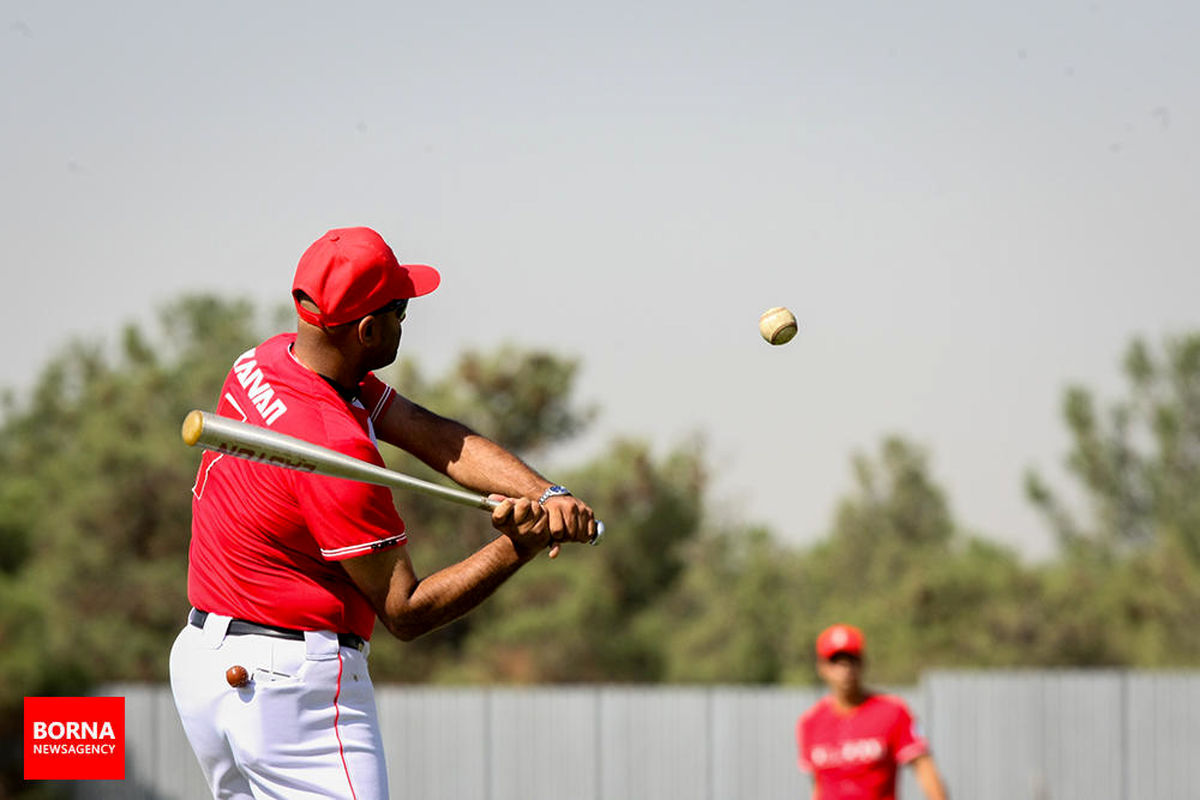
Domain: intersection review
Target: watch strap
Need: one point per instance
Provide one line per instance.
(554, 491)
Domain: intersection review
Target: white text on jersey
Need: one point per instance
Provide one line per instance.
(257, 389)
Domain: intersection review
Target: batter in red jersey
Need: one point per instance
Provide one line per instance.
(853, 740)
(288, 570)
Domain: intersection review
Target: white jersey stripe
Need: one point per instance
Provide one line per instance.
(383, 398)
(366, 547)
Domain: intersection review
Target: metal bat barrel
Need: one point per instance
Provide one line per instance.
(242, 440)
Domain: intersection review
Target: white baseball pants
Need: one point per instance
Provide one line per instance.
(305, 726)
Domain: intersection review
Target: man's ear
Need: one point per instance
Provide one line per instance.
(368, 329)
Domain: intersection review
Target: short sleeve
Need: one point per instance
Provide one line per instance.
(349, 518)
(376, 396)
(906, 740)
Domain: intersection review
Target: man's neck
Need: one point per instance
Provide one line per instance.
(327, 361)
(848, 701)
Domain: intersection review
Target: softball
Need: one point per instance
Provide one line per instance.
(777, 325)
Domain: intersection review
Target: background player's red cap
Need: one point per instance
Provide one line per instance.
(840, 639)
(350, 272)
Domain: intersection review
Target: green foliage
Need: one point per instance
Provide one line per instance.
(728, 619)
(95, 507)
(520, 399)
(1138, 466)
(896, 565)
(572, 619)
(1133, 551)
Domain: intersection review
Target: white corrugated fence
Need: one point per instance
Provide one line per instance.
(996, 735)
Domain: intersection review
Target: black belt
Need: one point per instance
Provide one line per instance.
(243, 627)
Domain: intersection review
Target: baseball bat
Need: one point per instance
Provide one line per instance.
(254, 443)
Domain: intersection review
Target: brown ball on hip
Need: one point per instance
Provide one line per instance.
(237, 676)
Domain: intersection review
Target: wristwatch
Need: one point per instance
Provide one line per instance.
(554, 491)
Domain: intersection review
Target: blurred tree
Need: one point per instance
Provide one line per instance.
(1138, 467)
(896, 515)
(574, 619)
(653, 508)
(1130, 584)
(895, 564)
(521, 399)
(729, 619)
(95, 508)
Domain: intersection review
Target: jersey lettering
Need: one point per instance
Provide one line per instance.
(260, 392)
(854, 751)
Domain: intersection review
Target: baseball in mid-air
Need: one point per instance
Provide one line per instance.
(777, 325)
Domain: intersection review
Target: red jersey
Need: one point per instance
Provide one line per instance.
(266, 540)
(853, 755)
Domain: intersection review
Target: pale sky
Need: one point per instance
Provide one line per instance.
(968, 207)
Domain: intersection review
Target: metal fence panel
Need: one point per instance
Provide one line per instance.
(1053, 735)
(996, 735)
(544, 743)
(1081, 721)
(176, 774)
(1162, 735)
(435, 741)
(655, 743)
(987, 736)
(754, 743)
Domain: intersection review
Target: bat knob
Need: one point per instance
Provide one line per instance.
(193, 426)
(595, 540)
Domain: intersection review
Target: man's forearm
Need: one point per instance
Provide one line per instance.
(451, 592)
(928, 778)
(487, 467)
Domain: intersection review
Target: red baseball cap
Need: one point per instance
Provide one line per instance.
(840, 639)
(350, 272)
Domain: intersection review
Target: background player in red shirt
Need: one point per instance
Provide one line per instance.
(288, 571)
(852, 740)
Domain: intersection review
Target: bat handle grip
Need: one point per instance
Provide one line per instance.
(488, 504)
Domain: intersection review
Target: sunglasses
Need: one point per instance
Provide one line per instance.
(400, 306)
